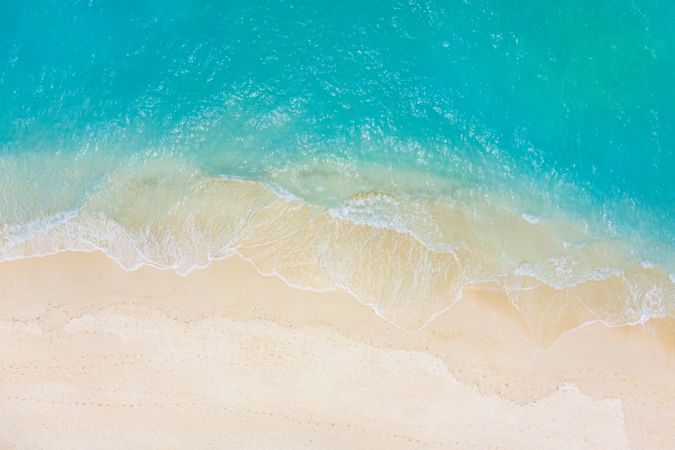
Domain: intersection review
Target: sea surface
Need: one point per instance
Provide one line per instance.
(401, 150)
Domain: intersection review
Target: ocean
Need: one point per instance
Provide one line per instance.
(400, 150)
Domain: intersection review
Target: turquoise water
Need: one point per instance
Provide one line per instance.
(557, 114)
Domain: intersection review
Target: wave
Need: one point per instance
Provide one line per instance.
(407, 256)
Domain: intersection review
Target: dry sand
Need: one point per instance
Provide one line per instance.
(93, 356)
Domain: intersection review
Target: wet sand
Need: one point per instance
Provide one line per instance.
(94, 356)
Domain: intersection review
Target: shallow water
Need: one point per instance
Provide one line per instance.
(402, 151)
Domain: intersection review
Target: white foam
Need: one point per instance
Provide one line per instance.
(282, 192)
(564, 273)
(170, 252)
(18, 234)
(530, 218)
(375, 210)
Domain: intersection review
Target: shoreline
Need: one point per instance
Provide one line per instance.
(430, 249)
(311, 369)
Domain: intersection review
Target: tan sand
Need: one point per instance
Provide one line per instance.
(93, 356)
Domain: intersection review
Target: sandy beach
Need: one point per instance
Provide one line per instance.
(337, 225)
(94, 356)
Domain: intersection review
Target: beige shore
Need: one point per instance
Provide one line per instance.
(93, 356)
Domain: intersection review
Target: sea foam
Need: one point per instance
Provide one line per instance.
(407, 257)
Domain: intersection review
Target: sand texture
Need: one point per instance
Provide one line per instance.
(93, 356)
